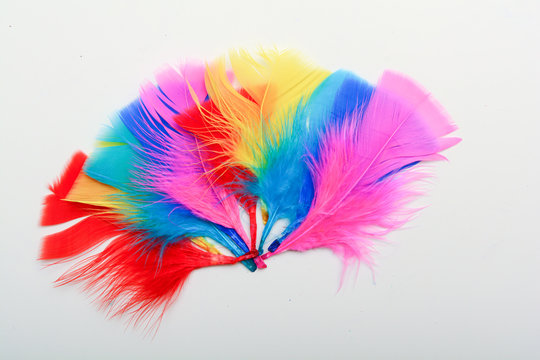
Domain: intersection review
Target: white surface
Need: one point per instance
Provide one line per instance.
(461, 282)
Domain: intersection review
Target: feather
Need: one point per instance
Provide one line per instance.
(143, 151)
(112, 161)
(361, 179)
(222, 172)
(336, 98)
(163, 217)
(85, 234)
(140, 273)
(283, 177)
(129, 277)
(182, 174)
(55, 209)
(81, 236)
(255, 131)
(278, 80)
(284, 79)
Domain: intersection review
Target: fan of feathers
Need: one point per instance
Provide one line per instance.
(235, 161)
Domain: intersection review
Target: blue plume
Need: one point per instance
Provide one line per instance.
(337, 97)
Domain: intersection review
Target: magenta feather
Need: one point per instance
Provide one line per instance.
(183, 173)
(172, 95)
(178, 165)
(360, 192)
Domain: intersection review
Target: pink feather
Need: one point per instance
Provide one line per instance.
(360, 194)
(182, 172)
(172, 95)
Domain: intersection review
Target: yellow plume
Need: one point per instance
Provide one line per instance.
(277, 81)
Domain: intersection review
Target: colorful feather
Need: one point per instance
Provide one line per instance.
(222, 173)
(362, 173)
(264, 135)
(142, 153)
(333, 100)
(334, 157)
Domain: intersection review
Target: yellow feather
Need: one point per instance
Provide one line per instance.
(205, 245)
(277, 81)
(101, 143)
(89, 191)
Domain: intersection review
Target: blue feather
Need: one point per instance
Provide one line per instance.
(337, 97)
(166, 222)
(281, 176)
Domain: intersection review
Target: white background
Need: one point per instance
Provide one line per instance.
(460, 282)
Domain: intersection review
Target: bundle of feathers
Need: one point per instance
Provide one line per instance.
(180, 177)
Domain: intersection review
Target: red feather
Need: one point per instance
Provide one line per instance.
(63, 185)
(85, 234)
(78, 238)
(130, 274)
(131, 277)
(56, 210)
